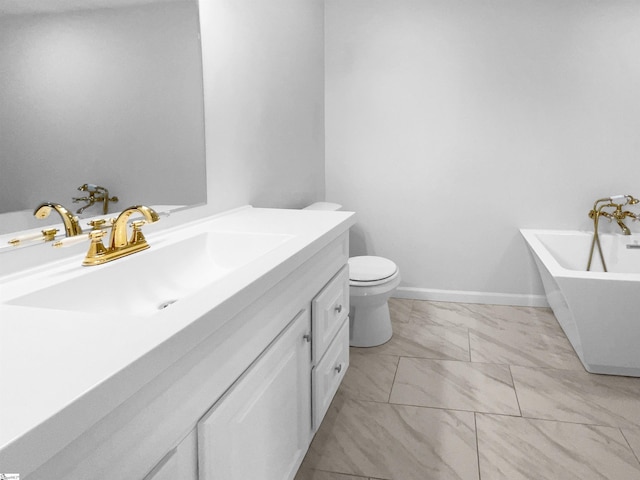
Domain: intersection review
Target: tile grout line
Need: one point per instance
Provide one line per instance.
(395, 374)
(629, 444)
(448, 409)
(515, 391)
(475, 422)
(482, 362)
(341, 473)
(539, 419)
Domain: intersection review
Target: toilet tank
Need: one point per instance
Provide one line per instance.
(324, 206)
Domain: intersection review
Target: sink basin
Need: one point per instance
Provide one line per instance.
(152, 280)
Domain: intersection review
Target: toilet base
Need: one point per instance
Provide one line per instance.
(369, 326)
(369, 319)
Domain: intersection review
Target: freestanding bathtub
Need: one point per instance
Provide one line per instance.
(598, 311)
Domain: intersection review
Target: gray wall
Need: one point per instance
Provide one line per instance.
(264, 101)
(452, 124)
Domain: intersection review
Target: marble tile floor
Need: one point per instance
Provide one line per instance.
(476, 392)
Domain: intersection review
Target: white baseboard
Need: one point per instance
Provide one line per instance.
(462, 296)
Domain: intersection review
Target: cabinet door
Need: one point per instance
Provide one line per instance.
(261, 428)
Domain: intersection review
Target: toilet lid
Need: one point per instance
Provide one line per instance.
(370, 269)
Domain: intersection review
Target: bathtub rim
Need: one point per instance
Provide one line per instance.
(535, 244)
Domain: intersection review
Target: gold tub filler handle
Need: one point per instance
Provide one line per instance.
(614, 202)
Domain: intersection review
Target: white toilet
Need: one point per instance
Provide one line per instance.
(372, 280)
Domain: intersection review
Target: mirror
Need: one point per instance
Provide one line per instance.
(104, 92)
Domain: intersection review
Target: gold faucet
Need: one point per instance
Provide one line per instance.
(617, 214)
(71, 224)
(120, 244)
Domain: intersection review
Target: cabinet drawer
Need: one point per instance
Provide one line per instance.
(328, 311)
(328, 374)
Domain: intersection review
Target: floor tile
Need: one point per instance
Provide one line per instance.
(422, 339)
(456, 385)
(400, 309)
(579, 397)
(512, 448)
(633, 438)
(369, 376)
(518, 318)
(308, 474)
(532, 349)
(395, 442)
(478, 317)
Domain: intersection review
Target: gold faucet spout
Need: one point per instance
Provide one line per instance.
(71, 224)
(119, 231)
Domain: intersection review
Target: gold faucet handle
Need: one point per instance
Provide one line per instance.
(49, 234)
(101, 223)
(96, 234)
(97, 250)
(97, 224)
(137, 236)
(70, 241)
(46, 235)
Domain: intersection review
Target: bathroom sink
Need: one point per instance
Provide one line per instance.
(149, 281)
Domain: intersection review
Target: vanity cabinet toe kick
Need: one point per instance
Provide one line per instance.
(264, 379)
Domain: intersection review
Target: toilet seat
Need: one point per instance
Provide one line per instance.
(368, 271)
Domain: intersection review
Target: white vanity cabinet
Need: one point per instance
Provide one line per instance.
(237, 392)
(261, 427)
(180, 463)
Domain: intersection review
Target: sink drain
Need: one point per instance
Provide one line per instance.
(164, 305)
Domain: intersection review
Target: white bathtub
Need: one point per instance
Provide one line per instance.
(598, 311)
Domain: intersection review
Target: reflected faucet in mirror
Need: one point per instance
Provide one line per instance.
(96, 193)
(71, 224)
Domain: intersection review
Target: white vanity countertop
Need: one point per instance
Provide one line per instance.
(62, 371)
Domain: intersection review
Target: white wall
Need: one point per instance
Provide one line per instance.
(452, 124)
(107, 96)
(264, 101)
